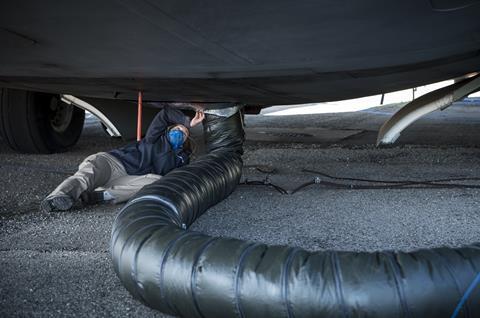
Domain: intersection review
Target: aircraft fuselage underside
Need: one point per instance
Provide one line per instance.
(257, 53)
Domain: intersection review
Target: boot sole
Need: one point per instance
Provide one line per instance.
(59, 203)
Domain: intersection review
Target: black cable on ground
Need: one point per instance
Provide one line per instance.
(396, 186)
(265, 182)
(323, 174)
(393, 185)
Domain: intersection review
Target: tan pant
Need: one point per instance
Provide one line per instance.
(103, 171)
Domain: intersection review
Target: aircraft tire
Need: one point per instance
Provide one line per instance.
(32, 122)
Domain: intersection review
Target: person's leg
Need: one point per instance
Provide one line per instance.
(123, 188)
(96, 170)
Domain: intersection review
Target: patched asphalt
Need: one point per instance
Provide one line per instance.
(58, 264)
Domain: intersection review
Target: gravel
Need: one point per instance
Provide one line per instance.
(57, 264)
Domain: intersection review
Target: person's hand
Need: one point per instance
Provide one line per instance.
(199, 117)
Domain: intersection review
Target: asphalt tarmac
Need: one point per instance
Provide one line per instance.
(58, 265)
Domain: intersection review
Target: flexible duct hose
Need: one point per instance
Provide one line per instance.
(189, 274)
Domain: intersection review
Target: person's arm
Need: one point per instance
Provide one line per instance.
(166, 117)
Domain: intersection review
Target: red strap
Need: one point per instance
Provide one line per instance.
(139, 117)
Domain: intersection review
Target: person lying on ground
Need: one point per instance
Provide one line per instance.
(115, 176)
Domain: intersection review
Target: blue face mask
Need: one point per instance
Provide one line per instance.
(175, 137)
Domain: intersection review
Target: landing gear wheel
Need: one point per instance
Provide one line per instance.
(38, 122)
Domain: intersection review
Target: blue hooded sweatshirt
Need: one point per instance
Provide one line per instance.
(154, 154)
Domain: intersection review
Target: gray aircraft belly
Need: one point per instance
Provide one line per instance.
(256, 52)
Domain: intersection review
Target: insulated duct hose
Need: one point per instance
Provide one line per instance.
(189, 274)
